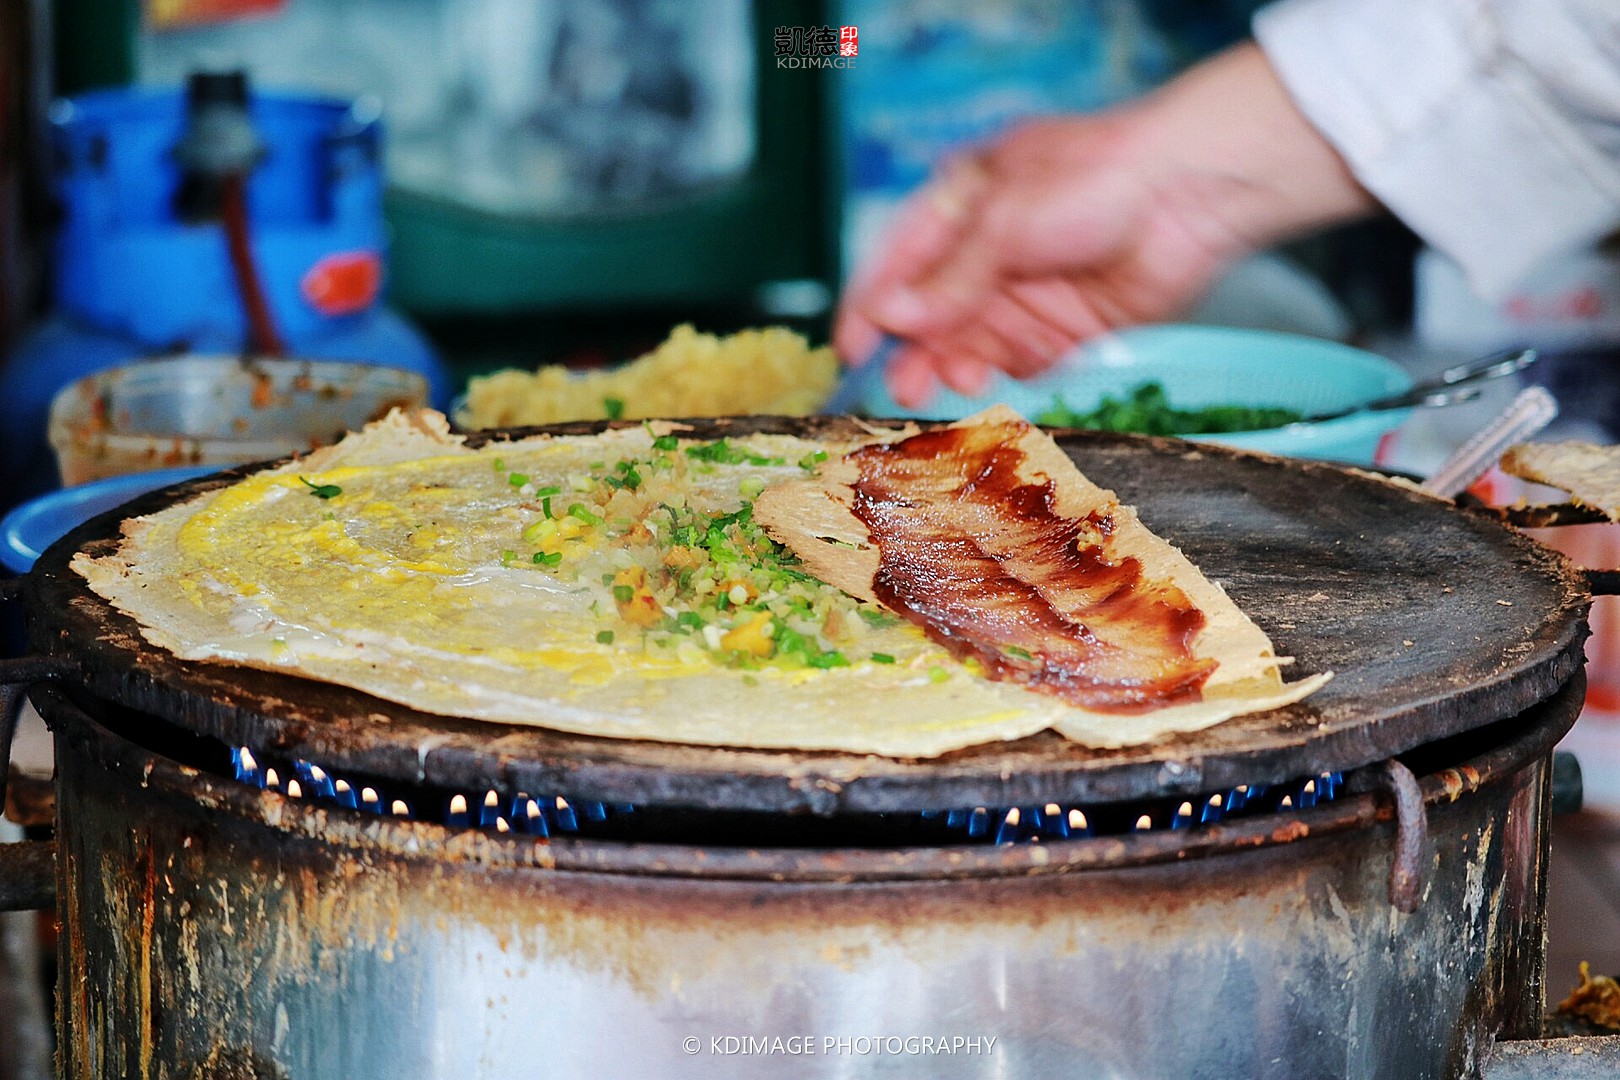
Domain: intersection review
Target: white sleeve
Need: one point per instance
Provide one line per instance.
(1491, 127)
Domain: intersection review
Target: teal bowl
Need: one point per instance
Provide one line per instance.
(1201, 366)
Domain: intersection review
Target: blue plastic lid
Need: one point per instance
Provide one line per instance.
(37, 524)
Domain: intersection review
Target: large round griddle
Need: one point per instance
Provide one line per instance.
(1433, 620)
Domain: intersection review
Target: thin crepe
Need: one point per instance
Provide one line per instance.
(362, 591)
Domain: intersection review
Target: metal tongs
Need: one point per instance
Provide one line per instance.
(1451, 387)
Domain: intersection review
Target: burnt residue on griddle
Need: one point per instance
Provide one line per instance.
(982, 560)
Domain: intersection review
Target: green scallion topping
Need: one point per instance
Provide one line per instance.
(882, 658)
(614, 407)
(665, 442)
(623, 593)
(322, 491)
(604, 637)
(543, 559)
(577, 510)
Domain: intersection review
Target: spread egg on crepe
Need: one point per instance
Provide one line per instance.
(618, 585)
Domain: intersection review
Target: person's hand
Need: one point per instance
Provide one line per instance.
(1062, 229)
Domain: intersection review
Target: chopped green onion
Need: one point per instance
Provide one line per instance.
(623, 593)
(604, 637)
(500, 464)
(750, 487)
(549, 489)
(809, 462)
(545, 506)
(665, 442)
(614, 407)
(322, 491)
(577, 510)
(882, 658)
(543, 559)
(1014, 650)
(937, 674)
(518, 479)
(507, 556)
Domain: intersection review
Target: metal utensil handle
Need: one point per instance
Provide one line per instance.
(1419, 397)
(28, 867)
(1491, 367)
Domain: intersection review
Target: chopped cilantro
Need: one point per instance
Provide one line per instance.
(322, 491)
(721, 452)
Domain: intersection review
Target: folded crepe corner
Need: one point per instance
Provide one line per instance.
(818, 518)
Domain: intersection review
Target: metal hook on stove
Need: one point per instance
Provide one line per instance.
(16, 676)
(1408, 873)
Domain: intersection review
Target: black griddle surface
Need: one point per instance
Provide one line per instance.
(1433, 620)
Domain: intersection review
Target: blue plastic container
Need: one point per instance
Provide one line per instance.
(1199, 366)
(131, 280)
(29, 529)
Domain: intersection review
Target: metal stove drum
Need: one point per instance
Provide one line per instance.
(259, 875)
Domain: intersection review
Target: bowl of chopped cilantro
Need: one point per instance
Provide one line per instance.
(1242, 388)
